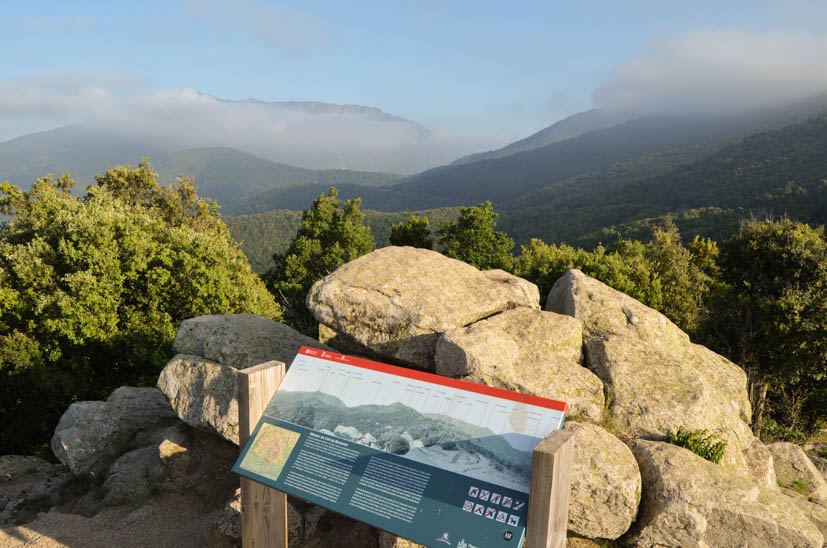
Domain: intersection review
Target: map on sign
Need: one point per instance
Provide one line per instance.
(426, 457)
(270, 450)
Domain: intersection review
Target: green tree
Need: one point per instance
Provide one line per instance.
(683, 282)
(92, 290)
(415, 233)
(769, 314)
(332, 233)
(472, 238)
(625, 268)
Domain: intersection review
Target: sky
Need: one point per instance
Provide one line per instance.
(492, 70)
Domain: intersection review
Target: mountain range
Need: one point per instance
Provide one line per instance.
(586, 179)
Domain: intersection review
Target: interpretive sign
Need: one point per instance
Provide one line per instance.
(436, 460)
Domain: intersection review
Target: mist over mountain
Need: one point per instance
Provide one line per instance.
(567, 128)
(310, 135)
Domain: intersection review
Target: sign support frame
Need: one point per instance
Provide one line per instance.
(264, 509)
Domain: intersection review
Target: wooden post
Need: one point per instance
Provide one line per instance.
(263, 509)
(548, 499)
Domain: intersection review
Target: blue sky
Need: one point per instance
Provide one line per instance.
(487, 69)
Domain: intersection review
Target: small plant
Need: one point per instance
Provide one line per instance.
(772, 431)
(800, 487)
(701, 442)
(607, 420)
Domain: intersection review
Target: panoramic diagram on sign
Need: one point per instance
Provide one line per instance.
(416, 454)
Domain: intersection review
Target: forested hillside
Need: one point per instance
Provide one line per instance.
(235, 179)
(263, 234)
(781, 171)
(707, 188)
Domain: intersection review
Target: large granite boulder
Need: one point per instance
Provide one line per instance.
(397, 301)
(795, 469)
(658, 379)
(528, 351)
(203, 393)
(240, 340)
(606, 311)
(92, 434)
(688, 501)
(605, 483)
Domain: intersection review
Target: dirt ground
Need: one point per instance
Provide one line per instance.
(169, 521)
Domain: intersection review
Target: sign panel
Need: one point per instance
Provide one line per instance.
(439, 461)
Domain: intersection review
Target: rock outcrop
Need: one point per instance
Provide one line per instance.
(145, 449)
(605, 483)
(397, 301)
(528, 351)
(92, 434)
(203, 393)
(658, 379)
(201, 381)
(793, 468)
(240, 340)
(688, 501)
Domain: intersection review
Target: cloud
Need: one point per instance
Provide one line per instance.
(719, 69)
(283, 31)
(304, 135)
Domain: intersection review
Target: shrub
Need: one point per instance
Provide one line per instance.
(701, 442)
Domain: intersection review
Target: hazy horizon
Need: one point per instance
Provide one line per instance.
(475, 75)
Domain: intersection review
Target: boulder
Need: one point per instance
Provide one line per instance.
(688, 501)
(606, 311)
(92, 434)
(605, 483)
(760, 464)
(821, 464)
(659, 381)
(203, 393)
(224, 530)
(528, 351)
(813, 510)
(795, 469)
(396, 301)
(131, 477)
(522, 290)
(240, 340)
(654, 392)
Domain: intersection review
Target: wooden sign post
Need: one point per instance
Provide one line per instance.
(264, 509)
(548, 496)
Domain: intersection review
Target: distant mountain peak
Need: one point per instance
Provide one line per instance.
(318, 107)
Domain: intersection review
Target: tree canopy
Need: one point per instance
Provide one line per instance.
(770, 312)
(92, 289)
(332, 233)
(415, 233)
(472, 238)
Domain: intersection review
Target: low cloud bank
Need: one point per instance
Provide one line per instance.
(717, 70)
(185, 118)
